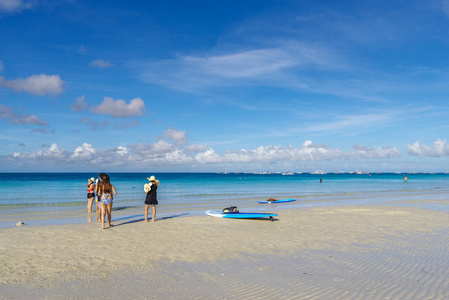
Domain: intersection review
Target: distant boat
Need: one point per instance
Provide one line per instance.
(288, 173)
(358, 172)
(320, 172)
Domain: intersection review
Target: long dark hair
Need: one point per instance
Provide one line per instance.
(105, 184)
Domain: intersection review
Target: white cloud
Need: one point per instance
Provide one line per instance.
(43, 130)
(208, 156)
(245, 64)
(14, 5)
(28, 119)
(100, 63)
(119, 108)
(178, 137)
(39, 85)
(84, 151)
(379, 152)
(267, 65)
(163, 153)
(7, 113)
(269, 154)
(80, 104)
(55, 150)
(53, 153)
(189, 149)
(353, 122)
(439, 148)
(122, 151)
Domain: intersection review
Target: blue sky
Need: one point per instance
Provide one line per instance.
(224, 86)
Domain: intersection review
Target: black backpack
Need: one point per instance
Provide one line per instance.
(231, 209)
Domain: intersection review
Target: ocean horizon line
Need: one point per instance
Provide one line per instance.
(234, 172)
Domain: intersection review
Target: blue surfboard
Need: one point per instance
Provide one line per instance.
(278, 201)
(240, 215)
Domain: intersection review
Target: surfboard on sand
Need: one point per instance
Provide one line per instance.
(240, 215)
(277, 201)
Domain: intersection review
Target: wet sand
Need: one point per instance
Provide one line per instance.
(339, 252)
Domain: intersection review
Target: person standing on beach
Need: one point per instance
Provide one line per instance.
(90, 194)
(98, 197)
(107, 191)
(151, 198)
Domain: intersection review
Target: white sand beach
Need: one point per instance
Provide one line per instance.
(340, 252)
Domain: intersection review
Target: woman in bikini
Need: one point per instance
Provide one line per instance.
(98, 196)
(90, 194)
(107, 191)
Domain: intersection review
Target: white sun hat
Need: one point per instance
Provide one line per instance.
(152, 178)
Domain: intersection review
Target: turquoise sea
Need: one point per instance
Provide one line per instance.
(60, 198)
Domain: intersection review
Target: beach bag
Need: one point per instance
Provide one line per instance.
(147, 188)
(231, 209)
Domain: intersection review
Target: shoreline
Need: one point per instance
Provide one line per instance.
(47, 259)
(63, 201)
(125, 211)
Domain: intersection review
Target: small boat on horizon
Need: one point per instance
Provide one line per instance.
(288, 173)
(320, 172)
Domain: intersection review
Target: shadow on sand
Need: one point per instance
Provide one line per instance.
(123, 207)
(141, 219)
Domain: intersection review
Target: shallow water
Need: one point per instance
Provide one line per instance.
(58, 198)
